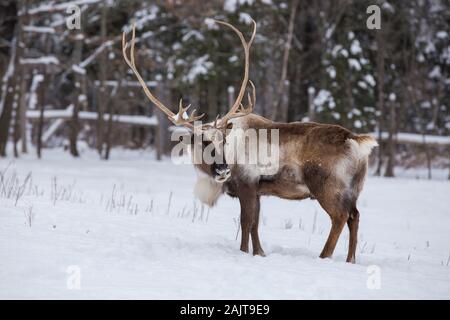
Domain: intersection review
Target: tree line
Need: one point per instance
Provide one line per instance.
(311, 61)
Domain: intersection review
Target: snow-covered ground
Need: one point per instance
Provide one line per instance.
(129, 228)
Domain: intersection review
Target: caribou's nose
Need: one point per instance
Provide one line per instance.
(223, 173)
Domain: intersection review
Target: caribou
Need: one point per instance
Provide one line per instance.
(324, 162)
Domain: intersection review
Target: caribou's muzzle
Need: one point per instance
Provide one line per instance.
(222, 173)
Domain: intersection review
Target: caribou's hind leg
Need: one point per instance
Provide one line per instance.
(335, 199)
(353, 222)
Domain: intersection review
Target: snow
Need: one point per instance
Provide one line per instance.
(50, 7)
(356, 47)
(324, 97)
(336, 50)
(245, 18)
(353, 63)
(442, 34)
(143, 16)
(211, 24)
(41, 60)
(193, 34)
(78, 69)
(54, 126)
(344, 52)
(88, 115)
(336, 115)
(331, 72)
(32, 102)
(321, 97)
(370, 80)
(111, 224)
(126, 83)
(233, 58)
(176, 117)
(435, 73)
(96, 52)
(200, 66)
(231, 5)
(39, 29)
(362, 84)
(416, 138)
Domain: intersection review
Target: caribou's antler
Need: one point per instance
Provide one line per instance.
(181, 118)
(237, 109)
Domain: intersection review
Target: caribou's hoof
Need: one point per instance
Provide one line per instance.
(259, 252)
(244, 250)
(351, 260)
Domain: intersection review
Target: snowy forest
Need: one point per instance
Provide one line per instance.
(311, 61)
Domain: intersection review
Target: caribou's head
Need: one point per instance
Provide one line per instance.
(207, 140)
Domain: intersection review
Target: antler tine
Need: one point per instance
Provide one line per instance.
(181, 118)
(251, 103)
(251, 99)
(233, 112)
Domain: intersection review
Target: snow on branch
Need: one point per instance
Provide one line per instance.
(97, 51)
(37, 29)
(114, 83)
(76, 68)
(88, 115)
(32, 101)
(41, 60)
(51, 7)
(403, 137)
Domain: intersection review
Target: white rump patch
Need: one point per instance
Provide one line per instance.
(367, 145)
(363, 148)
(359, 151)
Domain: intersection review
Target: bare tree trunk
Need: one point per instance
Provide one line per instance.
(311, 107)
(74, 123)
(102, 101)
(16, 126)
(380, 93)
(163, 124)
(20, 88)
(112, 109)
(427, 153)
(213, 107)
(23, 113)
(391, 142)
(230, 95)
(40, 126)
(280, 108)
(109, 132)
(8, 86)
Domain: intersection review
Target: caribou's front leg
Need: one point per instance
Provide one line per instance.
(257, 250)
(248, 201)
